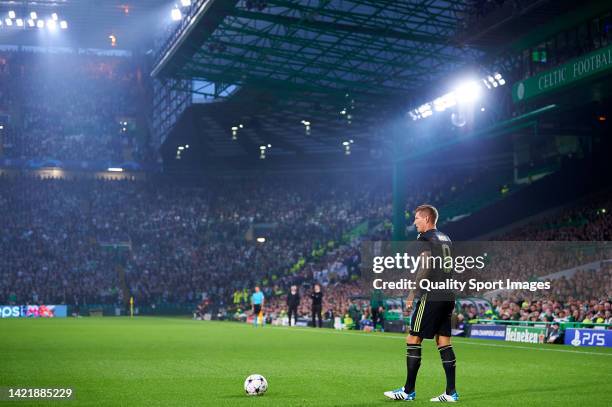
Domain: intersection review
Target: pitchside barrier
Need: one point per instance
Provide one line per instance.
(33, 311)
(576, 333)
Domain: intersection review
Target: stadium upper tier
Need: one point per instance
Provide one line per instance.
(70, 108)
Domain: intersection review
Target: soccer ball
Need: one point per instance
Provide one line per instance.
(255, 385)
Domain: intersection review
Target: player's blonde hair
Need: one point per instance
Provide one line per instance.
(430, 211)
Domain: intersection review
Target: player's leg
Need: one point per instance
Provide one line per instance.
(413, 355)
(413, 362)
(447, 355)
(289, 314)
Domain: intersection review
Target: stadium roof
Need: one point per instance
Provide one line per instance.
(373, 47)
(346, 66)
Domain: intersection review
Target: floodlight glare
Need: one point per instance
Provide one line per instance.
(33, 15)
(63, 24)
(185, 3)
(40, 24)
(176, 14)
(54, 16)
(19, 22)
(31, 22)
(51, 25)
(8, 22)
(444, 102)
(467, 92)
(11, 14)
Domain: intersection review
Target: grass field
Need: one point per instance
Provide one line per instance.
(175, 362)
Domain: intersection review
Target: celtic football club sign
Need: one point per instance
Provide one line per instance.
(569, 73)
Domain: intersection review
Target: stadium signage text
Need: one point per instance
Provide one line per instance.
(33, 311)
(525, 334)
(588, 337)
(484, 331)
(577, 69)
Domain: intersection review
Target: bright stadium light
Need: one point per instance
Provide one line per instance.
(51, 25)
(40, 24)
(8, 22)
(176, 14)
(425, 110)
(31, 22)
(11, 14)
(19, 22)
(63, 24)
(54, 17)
(115, 169)
(33, 15)
(467, 92)
(185, 3)
(261, 240)
(444, 102)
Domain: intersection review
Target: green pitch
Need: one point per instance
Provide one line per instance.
(175, 362)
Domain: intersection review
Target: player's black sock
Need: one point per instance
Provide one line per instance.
(413, 362)
(448, 363)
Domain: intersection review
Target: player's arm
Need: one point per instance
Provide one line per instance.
(422, 273)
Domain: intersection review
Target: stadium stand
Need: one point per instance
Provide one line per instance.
(73, 107)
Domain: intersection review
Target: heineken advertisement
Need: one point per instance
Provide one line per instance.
(525, 334)
(569, 73)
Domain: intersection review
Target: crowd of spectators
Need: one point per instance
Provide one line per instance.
(182, 243)
(94, 241)
(72, 107)
(581, 222)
